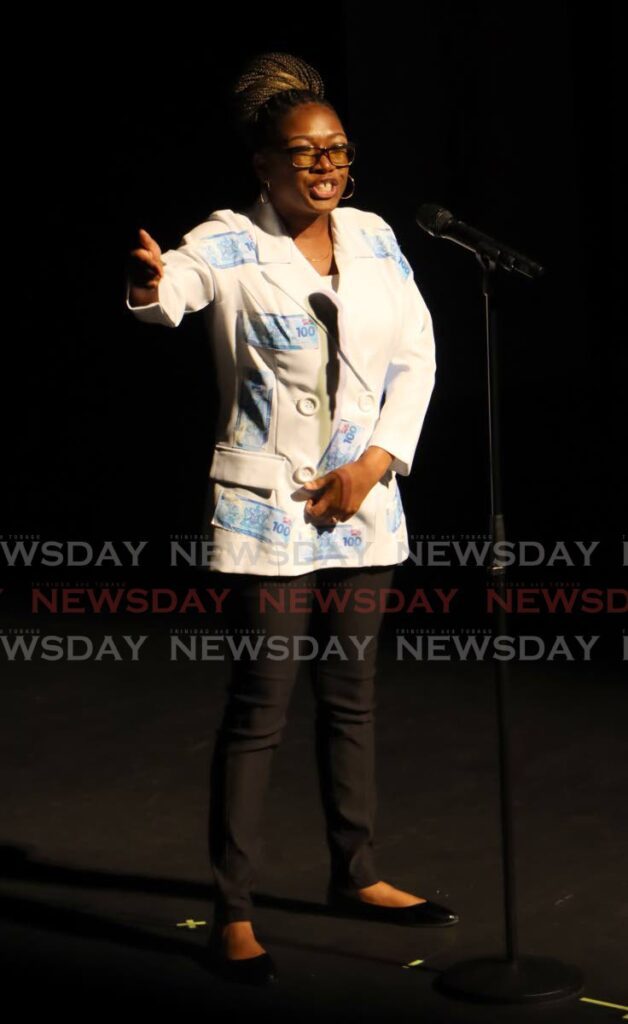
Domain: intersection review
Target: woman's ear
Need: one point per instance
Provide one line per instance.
(259, 166)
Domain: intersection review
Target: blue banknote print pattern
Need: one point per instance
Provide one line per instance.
(255, 408)
(271, 330)
(394, 512)
(343, 447)
(254, 518)
(228, 249)
(342, 541)
(385, 246)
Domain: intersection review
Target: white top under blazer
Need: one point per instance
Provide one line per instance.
(311, 372)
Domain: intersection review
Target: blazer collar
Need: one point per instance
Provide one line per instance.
(275, 245)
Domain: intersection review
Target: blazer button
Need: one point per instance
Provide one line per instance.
(308, 405)
(304, 473)
(366, 401)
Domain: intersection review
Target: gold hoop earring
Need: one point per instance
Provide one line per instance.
(352, 191)
(262, 200)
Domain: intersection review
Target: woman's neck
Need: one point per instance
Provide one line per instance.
(315, 230)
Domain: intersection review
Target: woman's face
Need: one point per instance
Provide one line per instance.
(297, 192)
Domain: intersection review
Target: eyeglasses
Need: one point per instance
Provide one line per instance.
(340, 155)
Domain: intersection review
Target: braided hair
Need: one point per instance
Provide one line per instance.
(271, 85)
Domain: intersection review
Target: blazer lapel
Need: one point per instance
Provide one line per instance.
(284, 267)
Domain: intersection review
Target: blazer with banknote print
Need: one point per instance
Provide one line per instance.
(267, 312)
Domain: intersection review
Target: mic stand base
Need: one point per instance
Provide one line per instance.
(527, 979)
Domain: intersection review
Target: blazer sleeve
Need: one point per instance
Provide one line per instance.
(187, 285)
(409, 382)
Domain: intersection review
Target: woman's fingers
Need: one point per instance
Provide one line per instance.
(148, 259)
(147, 242)
(327, 505)
(145, 264)
(343, 492)
(143, 270)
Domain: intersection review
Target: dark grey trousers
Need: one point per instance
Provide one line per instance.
(255, 715)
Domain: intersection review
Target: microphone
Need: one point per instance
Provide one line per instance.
(438, 221)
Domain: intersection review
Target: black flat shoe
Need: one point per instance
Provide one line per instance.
(252, 970)
(417, 914)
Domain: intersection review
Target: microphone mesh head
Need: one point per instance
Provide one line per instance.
(433, 218)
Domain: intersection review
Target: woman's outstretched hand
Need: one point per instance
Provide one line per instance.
(343, 489)
(145, 269)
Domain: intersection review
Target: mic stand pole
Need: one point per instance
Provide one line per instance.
(515, 978)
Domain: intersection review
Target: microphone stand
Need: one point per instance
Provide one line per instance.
(513, 978)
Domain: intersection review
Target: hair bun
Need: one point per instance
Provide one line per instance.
(271, 73)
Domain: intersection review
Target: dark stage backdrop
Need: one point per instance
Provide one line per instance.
(500, 114)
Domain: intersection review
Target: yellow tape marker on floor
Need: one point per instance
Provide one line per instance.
(190, 923)
(413, 963)
(600, 1002)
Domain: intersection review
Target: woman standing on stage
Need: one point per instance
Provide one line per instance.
(325, 357)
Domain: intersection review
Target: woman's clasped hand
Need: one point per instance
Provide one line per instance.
(343, 491)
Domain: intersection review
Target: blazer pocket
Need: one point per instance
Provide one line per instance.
(251, 469)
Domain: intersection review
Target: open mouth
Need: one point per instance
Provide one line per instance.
(324, 189)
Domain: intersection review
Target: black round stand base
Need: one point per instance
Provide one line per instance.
(528, 979)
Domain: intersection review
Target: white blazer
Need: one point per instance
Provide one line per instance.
(289, 348)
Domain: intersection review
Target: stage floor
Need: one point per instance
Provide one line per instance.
(104, 840)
